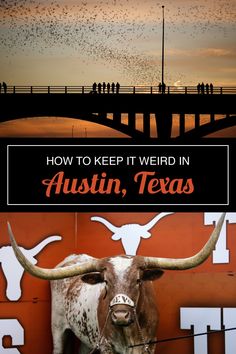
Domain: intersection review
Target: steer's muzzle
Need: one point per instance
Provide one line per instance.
(122, 316)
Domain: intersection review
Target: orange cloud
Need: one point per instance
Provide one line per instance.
(201, 52)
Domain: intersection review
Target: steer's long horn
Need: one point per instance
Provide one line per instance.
(111, 227)
(55, 273)
(151, 223)
(191, 262)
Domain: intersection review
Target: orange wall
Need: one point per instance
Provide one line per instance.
(177, 235)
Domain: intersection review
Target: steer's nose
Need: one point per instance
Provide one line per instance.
(121, 317)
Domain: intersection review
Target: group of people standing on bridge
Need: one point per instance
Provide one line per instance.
(202, 88)
(4, 87)
(106, 88)
(162, 87)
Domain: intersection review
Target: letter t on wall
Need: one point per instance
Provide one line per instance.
(221, 253)
(200, 318)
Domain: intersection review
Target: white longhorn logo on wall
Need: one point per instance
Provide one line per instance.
(130, 234)
(12, 269)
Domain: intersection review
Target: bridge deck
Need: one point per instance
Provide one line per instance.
(72, 105)
(122, 89)
(81, 103)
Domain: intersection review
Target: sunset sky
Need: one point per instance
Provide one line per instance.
(77, 42)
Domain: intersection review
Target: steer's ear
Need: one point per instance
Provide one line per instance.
(152, 274)
(93, 278)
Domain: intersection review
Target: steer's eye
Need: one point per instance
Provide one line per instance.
(138, 281)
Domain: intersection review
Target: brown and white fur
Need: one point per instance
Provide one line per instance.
(81, 304)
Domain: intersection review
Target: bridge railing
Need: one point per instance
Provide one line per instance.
(139, 89)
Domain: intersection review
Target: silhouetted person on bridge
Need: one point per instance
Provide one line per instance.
(94, 87)
(108, 87)
(0, 87)
(117, 87)
(4, 85)
(207, 89)
(103, 87)
(99, 87)
(163, 88)
(199, 88)
(202, 88)
(159, 87)
(211, 88)
(113, 87)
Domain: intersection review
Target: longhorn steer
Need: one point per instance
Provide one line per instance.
(108, 303)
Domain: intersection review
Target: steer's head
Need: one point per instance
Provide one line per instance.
(125, 286)
(122, 275)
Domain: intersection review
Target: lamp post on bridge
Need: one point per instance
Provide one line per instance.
(163, 45)
(163, 118)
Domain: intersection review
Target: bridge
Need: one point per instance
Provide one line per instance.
(107, 107)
